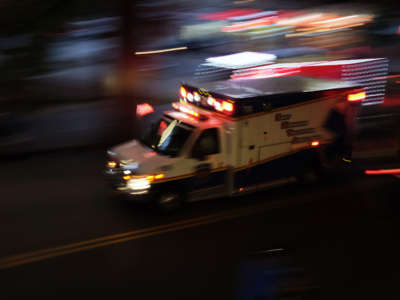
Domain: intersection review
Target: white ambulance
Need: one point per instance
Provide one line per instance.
(227, 138)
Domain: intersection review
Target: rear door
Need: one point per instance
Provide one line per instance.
(376, 144)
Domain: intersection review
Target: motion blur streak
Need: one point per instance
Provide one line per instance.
(222, 15)
(161, 51)
(382, 172)
(386, 77)
(40, 255)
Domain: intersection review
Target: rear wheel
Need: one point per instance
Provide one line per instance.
(308, 176)
(312, 172)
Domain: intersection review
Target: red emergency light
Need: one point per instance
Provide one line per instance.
(220, 105)
(227, 106)
(144, 109)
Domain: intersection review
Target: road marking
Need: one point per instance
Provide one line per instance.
(44, 254)
(101, 239)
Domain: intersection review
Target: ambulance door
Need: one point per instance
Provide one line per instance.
(246, 173)
(209, 173)
(248, 141)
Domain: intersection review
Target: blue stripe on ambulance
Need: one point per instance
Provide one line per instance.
(288, 165)
(195, 182)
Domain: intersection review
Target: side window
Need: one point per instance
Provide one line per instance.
(207, 143)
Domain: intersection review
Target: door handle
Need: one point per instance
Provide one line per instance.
(203, 166)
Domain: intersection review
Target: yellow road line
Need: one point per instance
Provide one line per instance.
(32, 259)
(35, 256)
(101, 239)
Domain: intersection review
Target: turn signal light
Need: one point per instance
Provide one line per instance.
(159, 176)
(151, 178)
(111, 164)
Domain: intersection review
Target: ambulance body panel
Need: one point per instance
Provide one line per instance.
(234, 137)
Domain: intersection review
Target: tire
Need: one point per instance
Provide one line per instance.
(168, 201)
(308, 176)
(312, 173)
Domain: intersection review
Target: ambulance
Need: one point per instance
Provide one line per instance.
(231, 137)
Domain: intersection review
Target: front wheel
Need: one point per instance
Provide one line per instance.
(169, 201)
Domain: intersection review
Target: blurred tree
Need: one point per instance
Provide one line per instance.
(127, 103)
(39, 22)
(31, 20)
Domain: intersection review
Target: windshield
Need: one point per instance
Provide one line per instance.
(167, 136)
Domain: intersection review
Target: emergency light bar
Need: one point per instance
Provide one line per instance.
(207, 101)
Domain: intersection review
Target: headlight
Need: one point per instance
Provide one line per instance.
(138, 184)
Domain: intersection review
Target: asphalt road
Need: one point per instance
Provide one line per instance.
(61, 232)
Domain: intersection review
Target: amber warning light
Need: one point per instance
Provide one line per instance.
(185, 110)
(356, 97)
(111, 164)
(314, 143)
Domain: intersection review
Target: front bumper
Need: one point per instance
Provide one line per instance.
(119, 187)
